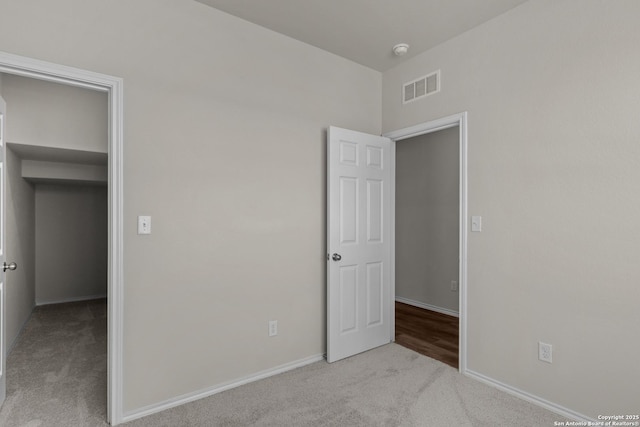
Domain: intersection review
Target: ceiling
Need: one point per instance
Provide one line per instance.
(365, 31)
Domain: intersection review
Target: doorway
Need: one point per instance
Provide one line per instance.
(112, 86)
(56, 215)
(427, 239)
(455, 125)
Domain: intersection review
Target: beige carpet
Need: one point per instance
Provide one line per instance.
(388, 386)
(57, 371)
(56, 377)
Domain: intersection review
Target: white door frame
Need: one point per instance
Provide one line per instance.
(421, 129)
(113, 86)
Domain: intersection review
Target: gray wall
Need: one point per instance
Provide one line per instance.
(20, 242)
(71, 242)
(224, 146)
(427, 218)
(552, 95)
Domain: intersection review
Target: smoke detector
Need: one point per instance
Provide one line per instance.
(400, 49)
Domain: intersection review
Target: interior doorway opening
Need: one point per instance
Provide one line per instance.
(427, 242)
(56, 205)
(113, 87)
(439, 298)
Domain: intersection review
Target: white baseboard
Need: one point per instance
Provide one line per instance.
(72, 299)
(428, 306)
(560, 410)
(190, 397)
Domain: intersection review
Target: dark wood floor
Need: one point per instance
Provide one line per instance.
(430, 333)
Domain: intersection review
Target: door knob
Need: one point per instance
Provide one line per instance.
(336, 257)
(11, 266)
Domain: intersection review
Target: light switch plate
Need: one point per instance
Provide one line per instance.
(144, 224)
(476, 223)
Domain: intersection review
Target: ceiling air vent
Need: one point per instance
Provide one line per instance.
(419, 88)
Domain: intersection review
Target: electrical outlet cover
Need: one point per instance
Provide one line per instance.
(545, 352)
(273, 328)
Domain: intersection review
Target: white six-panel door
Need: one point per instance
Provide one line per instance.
(358, 242)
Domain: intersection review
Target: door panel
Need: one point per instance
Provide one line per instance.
(348, 211)
(358, 231)
(374, 294)
(348, 298)
(374, 211)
